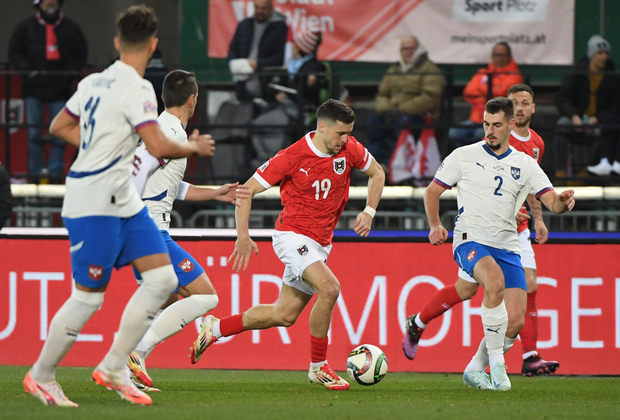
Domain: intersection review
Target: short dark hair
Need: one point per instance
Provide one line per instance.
(137, 25)
(521, 87)
(505, 44)
(334, 110)
(498, 104)
(178, 86)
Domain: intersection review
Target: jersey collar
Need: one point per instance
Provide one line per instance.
(492, 153)
(312, 147)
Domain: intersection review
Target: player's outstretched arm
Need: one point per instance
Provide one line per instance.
(244, 245)
(160, 146)
(228, 193)
(376, 181)
(542, 233)
(438, 234)
(559, 203)
(66, 127)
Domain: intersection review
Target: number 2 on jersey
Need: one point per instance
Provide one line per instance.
(89, 126)
(499, 185)
(324, 186)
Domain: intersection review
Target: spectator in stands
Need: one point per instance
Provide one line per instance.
(6, 199)
(258, 42)
(588, 100)
(313, 80)
(500, 74)
(41, 47)
(409, 91)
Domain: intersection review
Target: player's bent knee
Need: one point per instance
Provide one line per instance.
(94, 299)
(204, 302)
(161, 280)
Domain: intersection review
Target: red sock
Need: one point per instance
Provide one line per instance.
(529, 332)
(231, 325)
(443, 300)
(318, 349)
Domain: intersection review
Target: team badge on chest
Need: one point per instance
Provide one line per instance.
(515, 172)
(340, 165)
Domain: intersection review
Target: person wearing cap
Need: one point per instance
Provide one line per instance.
(311, 78)
(587, 101)
(259, 41)
(410, 89)
(49, 50)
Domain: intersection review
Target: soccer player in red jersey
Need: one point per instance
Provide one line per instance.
(315, 174)
(526, 140)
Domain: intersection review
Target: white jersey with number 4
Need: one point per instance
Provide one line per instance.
(490, 192)
(162, 186)
(111, 106)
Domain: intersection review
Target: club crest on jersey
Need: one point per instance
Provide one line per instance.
(263, 166)
(95, 271)
(340, 165)
(150, 107)
(515, 172)
(303, 250)
(186, 265)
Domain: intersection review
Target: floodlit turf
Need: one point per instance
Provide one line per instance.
(225, 394)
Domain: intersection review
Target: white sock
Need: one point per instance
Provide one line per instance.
(530, 353)
(317, 365)
(480, 361)
(173, 319)
(495, 322)
(216, 329)
(138, 315)
(508, 342)
(419, 323)
(63, 332)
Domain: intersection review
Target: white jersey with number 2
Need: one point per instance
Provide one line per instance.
(490, 191)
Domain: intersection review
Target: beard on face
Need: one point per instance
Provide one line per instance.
(493, 146)
(525, 123)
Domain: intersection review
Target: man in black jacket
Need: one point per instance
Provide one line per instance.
(258, 42)
(49, 50)
(588, 103)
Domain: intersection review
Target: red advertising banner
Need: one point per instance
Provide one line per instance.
(453, 31)
(382, 283)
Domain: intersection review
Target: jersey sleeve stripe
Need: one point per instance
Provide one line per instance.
(441, 183)
(261, 180)
(145, 123)
(368, 161)
(71, 114)
(543, 191)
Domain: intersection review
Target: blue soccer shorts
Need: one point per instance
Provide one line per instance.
(185, 266)
(100, 243)
(469, 253)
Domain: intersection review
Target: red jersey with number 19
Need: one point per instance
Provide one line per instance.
(314, 187)
(532, 145)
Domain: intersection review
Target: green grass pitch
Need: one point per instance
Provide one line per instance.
(230, 394)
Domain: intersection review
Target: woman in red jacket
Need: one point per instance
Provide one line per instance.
(500, 74)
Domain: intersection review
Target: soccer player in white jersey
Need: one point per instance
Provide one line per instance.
(107, 221)
(159, 190)
(493, 181)
(526, 140)
(315, 174)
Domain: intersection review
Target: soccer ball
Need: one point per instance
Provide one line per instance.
(367, 364)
